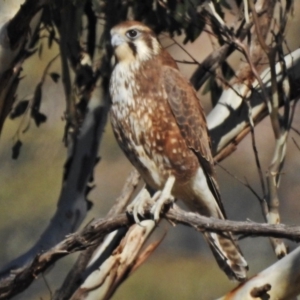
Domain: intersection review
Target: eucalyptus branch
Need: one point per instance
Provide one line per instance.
(77, 274)
(280, 131)
(98, 229)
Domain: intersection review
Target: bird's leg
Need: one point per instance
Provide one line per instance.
(162, 197)
(139, 203)
(143, 200)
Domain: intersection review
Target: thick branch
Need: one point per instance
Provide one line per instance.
(99, 228)
(77, 274)
(230, 116)
(82, 156)
(203, 223)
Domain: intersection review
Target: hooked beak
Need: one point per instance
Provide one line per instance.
(116, 40)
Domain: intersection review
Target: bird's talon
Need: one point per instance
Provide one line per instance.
(162, 197)
(137, 207)
(136, 217)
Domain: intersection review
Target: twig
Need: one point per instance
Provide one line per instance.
(296, 144)
(254, 148)
(246, 183)
(296, 130)
(271, 212)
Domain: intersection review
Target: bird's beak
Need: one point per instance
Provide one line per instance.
(116, 40)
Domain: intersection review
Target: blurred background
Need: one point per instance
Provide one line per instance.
(182, 267)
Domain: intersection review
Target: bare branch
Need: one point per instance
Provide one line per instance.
(82, 152)
(117, 267)
(21, 278)
(77, 274)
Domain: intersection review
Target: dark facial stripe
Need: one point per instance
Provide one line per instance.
(148, 41)
(132, 46)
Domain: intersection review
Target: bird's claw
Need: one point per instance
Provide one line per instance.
(143, 200)
(162, 200)
(138, 205)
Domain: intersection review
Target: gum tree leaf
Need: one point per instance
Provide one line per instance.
(55, 76)
(19, 109)
(39, 118)
(16, 149)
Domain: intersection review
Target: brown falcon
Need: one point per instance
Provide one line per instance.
(160, 125)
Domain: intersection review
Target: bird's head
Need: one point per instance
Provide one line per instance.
(133, 41)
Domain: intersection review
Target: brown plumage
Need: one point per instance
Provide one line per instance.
(160, 125)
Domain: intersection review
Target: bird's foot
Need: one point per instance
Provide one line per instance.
(162, 198)
(139, 204)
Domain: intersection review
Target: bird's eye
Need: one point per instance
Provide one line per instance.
(132, 33)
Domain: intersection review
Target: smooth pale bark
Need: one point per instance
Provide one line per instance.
(281, 281)
(230, 116)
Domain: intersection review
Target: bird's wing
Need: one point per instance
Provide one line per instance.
(190, 118)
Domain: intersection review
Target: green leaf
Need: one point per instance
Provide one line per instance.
(37, 98)
(19, 109)
(207, 87)
(55, 76)
(227, 71)
(215, 91)
(193, 30)
(238, 2)
(39, 118)
(40, 50)
(225, 4)
(51, 37)
(16, 149)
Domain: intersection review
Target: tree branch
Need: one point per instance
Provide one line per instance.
(99, 251)
(98, 229)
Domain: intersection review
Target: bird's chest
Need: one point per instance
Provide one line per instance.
(137, 121)
(132, 111)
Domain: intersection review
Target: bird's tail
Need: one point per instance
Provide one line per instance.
(228, 255)
(207, 201)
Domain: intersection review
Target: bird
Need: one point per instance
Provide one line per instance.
(160, 125)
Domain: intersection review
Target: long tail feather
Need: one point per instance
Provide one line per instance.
(228, 255)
